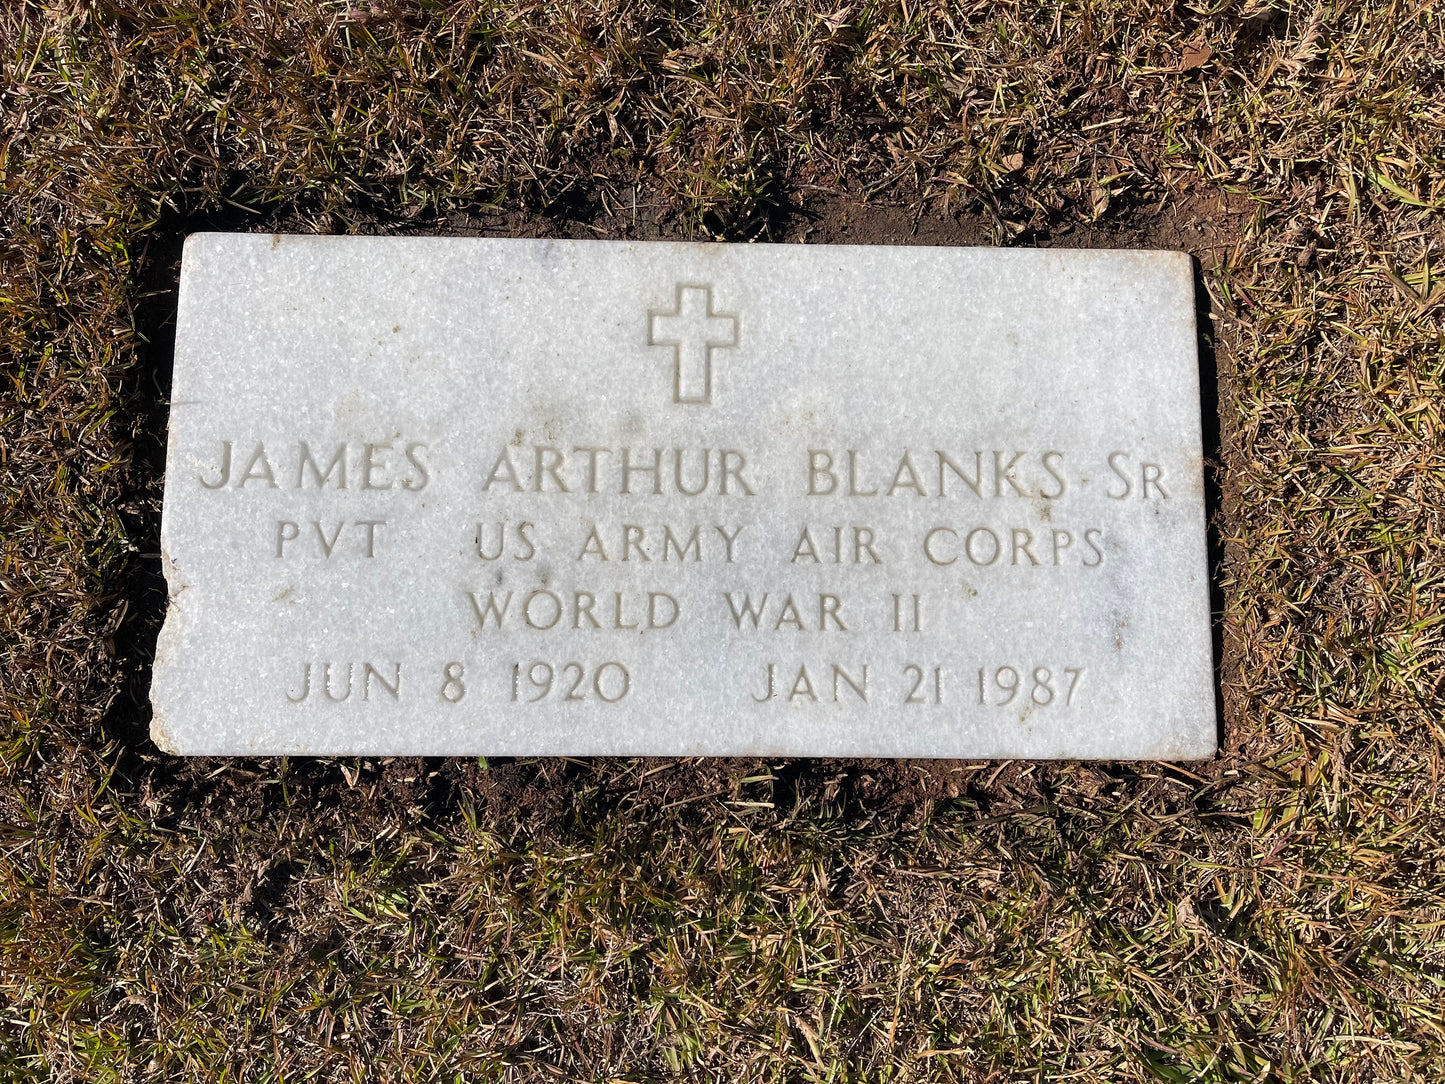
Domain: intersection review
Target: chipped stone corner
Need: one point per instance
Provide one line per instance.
(160, 732)
(168, 645)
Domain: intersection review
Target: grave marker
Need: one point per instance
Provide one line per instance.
(436, 496)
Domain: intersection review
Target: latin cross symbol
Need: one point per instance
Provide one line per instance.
(693, 331)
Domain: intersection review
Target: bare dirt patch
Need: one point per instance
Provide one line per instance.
(542, 793)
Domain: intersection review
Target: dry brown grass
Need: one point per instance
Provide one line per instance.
(1274, 915)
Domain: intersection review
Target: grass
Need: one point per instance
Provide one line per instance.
(1277, 914)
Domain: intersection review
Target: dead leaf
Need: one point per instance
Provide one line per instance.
(1013, 162)
(1195, 56)
(838, 19)
(1187, 915)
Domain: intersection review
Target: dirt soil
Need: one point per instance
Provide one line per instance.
(541, 793)
(1272, 915)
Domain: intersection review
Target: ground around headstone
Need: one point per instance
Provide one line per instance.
(1273, 912)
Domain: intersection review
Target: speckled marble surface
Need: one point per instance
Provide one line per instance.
(435, 496)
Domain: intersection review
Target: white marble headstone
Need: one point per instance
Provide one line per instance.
(435, 496)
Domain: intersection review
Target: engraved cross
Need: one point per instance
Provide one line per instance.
(693, 331)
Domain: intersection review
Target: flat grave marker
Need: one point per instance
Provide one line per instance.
(471, 496)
